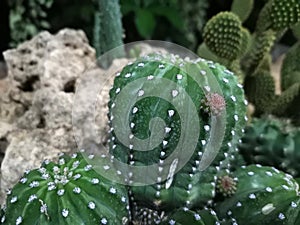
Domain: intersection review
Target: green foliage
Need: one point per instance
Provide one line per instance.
(260, 90)
(263, 195)
(27, 18)
(178, 20)
(272, 142)
(70, 192)
(147, 14)
(189, 187)
(185, 216)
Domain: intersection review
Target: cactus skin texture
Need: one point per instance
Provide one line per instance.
(272, 142)
(260, 90)
(190, 187)
(290, 71)
(284, 13)
(185, 216)
(223, 35)
(265, 195)
(180, 216)
(69, 192)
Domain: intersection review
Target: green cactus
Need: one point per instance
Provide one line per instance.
(185, 216)
(264, 195)
(272, 142)
(260, 90)
(189, 187)
(284, 13)
(223, 35)
(69, 192)
(290, 71)
(242, 8)
(108, 31)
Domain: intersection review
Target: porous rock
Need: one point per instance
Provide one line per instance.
(37, 99)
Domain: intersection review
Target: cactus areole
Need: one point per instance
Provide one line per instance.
(176, 123)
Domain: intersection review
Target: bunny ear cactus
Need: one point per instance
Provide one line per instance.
(69, 192)
(223, 35)
(188, 187)
(248, 56)
(263, 194)
(272, 142)
(290, 71)
(284, 13)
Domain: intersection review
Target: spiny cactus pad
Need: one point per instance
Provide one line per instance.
(260, 90)
(284, 13)
(290, 71)
(69, 192)
(263, 195)
(223, 35)
(272, 142)
(189, 186)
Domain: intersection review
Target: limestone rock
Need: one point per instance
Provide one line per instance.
(54, 61)
(37, 98)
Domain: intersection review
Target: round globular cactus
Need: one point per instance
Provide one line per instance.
(186, 95)
(223, 35)
(263, 194)
(69, 192)
(272, 142)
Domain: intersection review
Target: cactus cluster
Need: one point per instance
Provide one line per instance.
(252, 62)
(158, 94)
(272, 142)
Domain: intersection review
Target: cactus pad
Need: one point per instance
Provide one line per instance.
(223, 35)
(284, 13)
(290, 71)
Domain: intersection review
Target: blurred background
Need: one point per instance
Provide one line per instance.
(177, 21)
